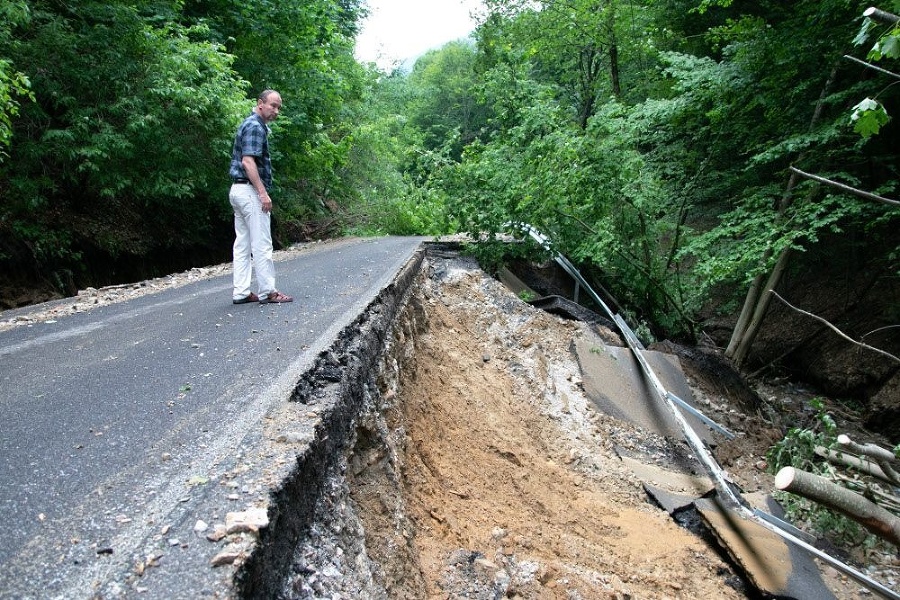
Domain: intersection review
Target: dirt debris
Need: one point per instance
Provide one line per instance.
(481, 471)
(484, 472)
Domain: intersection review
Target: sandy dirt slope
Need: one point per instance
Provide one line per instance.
(506, 482)
(509, 478)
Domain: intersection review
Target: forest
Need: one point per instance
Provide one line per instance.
(724, 171)
(686, 154)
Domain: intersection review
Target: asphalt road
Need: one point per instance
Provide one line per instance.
(108, 417)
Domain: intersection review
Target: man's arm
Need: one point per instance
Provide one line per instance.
(249, 164)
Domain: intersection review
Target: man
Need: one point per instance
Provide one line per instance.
(251, 175)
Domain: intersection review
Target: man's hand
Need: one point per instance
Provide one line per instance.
(265, 201)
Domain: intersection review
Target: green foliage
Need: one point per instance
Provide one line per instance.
(870, 115)
(444, 105)
(14, 85)
(125, 147)
(797, 450)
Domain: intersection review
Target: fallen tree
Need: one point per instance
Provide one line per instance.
(883, 457)
(870, 515)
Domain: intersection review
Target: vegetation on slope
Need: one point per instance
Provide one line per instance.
(652, 141)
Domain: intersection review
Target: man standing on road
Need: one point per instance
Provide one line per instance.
(251, 175)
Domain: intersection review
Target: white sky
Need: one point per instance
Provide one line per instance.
(397, 30)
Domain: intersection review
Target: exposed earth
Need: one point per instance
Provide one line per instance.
(486, 472)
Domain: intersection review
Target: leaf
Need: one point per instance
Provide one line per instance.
(868, 117)
(863, 35)
(890, 45)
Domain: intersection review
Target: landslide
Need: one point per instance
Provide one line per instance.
(483, 471)
(841, 281)
(502, 475)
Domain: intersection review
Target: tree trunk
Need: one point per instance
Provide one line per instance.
(746, 311)
(614, 70)
(757, 299)
(759, 310)
(868, 514)
(589, 71)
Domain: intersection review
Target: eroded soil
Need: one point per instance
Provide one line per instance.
(507, 463)
(481, 469)
(500, 479)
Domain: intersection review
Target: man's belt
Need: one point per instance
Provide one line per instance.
(240, 180)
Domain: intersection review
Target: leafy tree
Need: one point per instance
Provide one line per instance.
(13, 83)
(124, 151)
(127, 129)
(445, 104)
(676, 188)
(591, 49)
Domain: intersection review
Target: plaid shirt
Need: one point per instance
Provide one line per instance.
(252, 139)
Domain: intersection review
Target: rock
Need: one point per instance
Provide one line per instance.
(218, 533)
(200, 526)
(883, 414)
(225, 557)
(249, 521)
(291, 437)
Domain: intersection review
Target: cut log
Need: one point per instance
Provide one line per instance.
(863, 465)
(882, 456)
(882, 16)
(818, 489)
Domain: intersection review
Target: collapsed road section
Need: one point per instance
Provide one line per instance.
(140, 433)
(447, 446)
(312, 432)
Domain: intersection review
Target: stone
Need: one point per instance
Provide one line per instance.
(217, 534)
(249, 521)
(225, 557)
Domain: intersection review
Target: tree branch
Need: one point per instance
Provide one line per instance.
(861, 464)
(871, 66)
(833, 328)
(846, 188)
(883, 458)
(880, 15)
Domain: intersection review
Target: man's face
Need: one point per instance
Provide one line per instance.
(270, 107)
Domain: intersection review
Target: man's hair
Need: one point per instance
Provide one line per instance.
(263, 95)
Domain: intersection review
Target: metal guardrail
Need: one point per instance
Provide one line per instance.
(723, 487)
